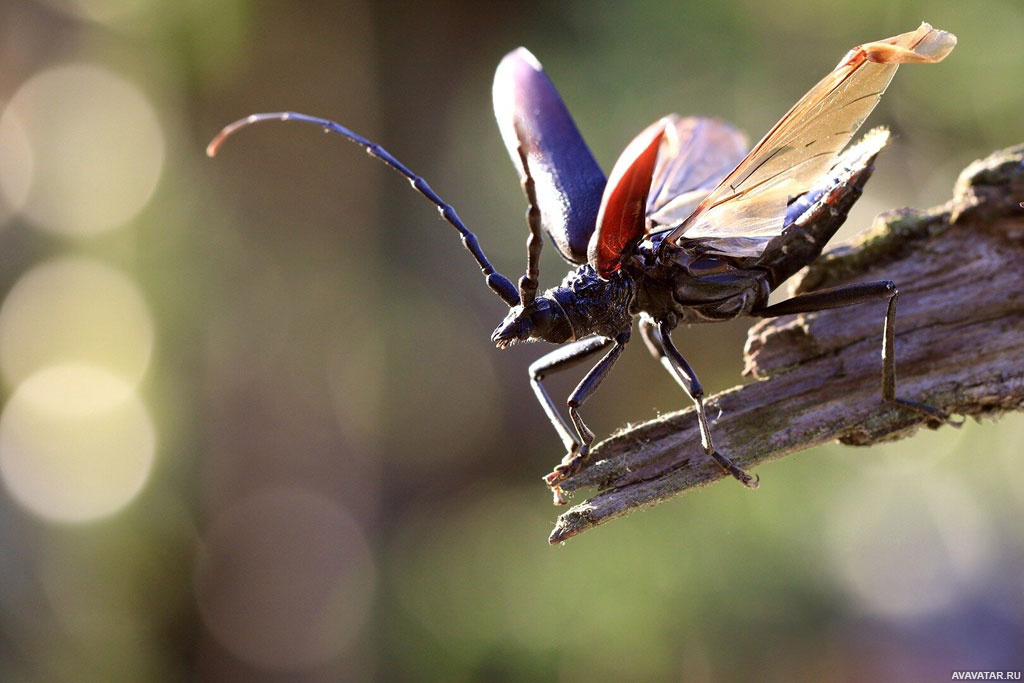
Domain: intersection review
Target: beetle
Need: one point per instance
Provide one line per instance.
(689, 227)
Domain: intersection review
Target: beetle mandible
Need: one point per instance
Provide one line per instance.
(688, 227)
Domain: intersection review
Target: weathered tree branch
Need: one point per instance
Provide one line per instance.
(959, 346)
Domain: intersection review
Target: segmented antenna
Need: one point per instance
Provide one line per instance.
(498, 283)
(529, 282)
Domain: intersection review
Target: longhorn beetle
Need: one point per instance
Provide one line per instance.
(687, 228)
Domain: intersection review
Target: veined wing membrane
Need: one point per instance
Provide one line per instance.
(751, 201)
(695, 155)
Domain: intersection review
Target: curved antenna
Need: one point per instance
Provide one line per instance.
(498, 283)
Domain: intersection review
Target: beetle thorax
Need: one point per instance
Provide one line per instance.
(595, 305)
(583, 304)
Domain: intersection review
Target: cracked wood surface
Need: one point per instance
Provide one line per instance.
(817, 377)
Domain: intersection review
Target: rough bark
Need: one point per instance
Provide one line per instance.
(959, 346)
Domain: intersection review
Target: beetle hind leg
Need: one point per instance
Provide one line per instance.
(889, 368)
(848, 295)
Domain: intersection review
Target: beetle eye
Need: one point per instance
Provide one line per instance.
(540, 315)
(549, 322)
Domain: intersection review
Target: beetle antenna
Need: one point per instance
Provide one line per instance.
(498, 283)
(529, 282)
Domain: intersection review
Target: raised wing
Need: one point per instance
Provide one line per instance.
(695, 155)
(751, 201)
(621, 219)
(567, 179)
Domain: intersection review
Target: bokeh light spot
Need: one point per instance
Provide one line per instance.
(285, 579)
(74, 310)
(97, 148)
(16, 164)
(101, 11)
(911, 547)
(76, 444)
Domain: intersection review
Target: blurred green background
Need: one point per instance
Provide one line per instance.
(254, 429)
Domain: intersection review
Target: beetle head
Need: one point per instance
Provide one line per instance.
(541, 319)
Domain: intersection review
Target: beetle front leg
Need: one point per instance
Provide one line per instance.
(574, 459)
(661, 347)
(560, 359)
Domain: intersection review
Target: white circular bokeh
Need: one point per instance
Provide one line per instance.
(74, 309)
(76, 444)
(96, 146)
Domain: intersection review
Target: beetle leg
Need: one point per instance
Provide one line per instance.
(848, 295)
(661, 347)
(562, 358)
(652, 338)
(574, 459)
